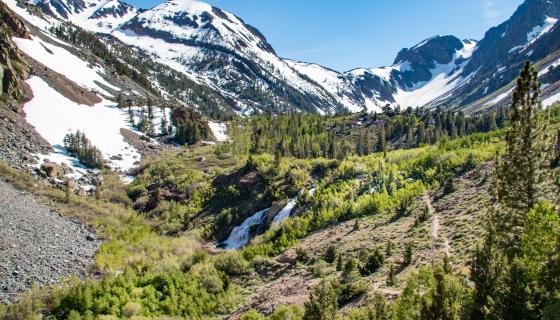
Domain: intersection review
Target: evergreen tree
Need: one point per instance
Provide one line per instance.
(322, 304)
(331, 254)
(130, 116)
(382, 141)
(522, 171)
(350, 272)
(488, 270)
(164, 125)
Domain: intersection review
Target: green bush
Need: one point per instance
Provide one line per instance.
(231, 263)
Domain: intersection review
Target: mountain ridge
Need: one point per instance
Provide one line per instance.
(217, 48)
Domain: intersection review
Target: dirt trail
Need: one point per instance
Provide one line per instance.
(435, 225)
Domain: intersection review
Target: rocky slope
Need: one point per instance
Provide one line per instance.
(18, 140)
(33, 236)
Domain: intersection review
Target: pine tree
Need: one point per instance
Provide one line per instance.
(488, 270)
(389, 249)
(522, 171)
(131, 116)
(120, 101)
(322, 304)
(350, 272)
(408, 252)
(391, 275)
(339, 263)
(382, 141)
(330, 254)
(164, 125)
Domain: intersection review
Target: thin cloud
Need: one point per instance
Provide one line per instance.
(494, 13)
(326, 46)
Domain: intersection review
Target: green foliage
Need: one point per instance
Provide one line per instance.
(320, 268)
(172, 293)
(408, 253)
(231, 263)
(523, 172)
(78, 145)
(322, 304)
(331, 254)
(373, 263)
(337, 137)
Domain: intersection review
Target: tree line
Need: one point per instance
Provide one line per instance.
(335, 137)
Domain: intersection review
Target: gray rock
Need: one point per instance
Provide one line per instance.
(38, 246)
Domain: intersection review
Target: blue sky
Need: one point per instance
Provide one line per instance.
(345, 34)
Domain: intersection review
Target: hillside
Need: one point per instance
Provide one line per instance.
(168, 164)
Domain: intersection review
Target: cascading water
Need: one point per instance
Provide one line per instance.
(241, 235)
(285, 212)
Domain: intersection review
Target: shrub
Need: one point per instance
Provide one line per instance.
(231, 263)
(320, 268)
(408, 252)
(322, 304)
(252, 315)
(131, 309)
(263, 265)
(331, 254)
(301, 255)
(374, 262)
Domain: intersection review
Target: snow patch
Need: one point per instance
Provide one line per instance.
(539, 31)
(551, 100)
(219, 130)
(499, 98)
(62, 61)
(54, 116)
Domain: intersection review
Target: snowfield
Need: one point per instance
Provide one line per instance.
(219, 130)
(445, 79)
(62, 61)
(54, 115)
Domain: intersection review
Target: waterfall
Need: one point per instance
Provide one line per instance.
(285, 212)
(241, 235)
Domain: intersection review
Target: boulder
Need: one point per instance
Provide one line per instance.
(52, 170)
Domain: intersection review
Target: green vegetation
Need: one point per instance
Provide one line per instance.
(153, 263)
(337, 137)
(78, 145)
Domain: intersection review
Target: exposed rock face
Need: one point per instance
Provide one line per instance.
(18, 139)
(423, 57)
(505, 48)
(13, 68)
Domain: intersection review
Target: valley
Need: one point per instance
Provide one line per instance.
(166, 163)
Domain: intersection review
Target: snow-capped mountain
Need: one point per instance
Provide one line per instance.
(532, 33)
(94, 15)
(420, 75)
(218, 50)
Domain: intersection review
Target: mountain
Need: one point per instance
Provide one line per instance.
(218, 50)
(94, 15)
(532, 33)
